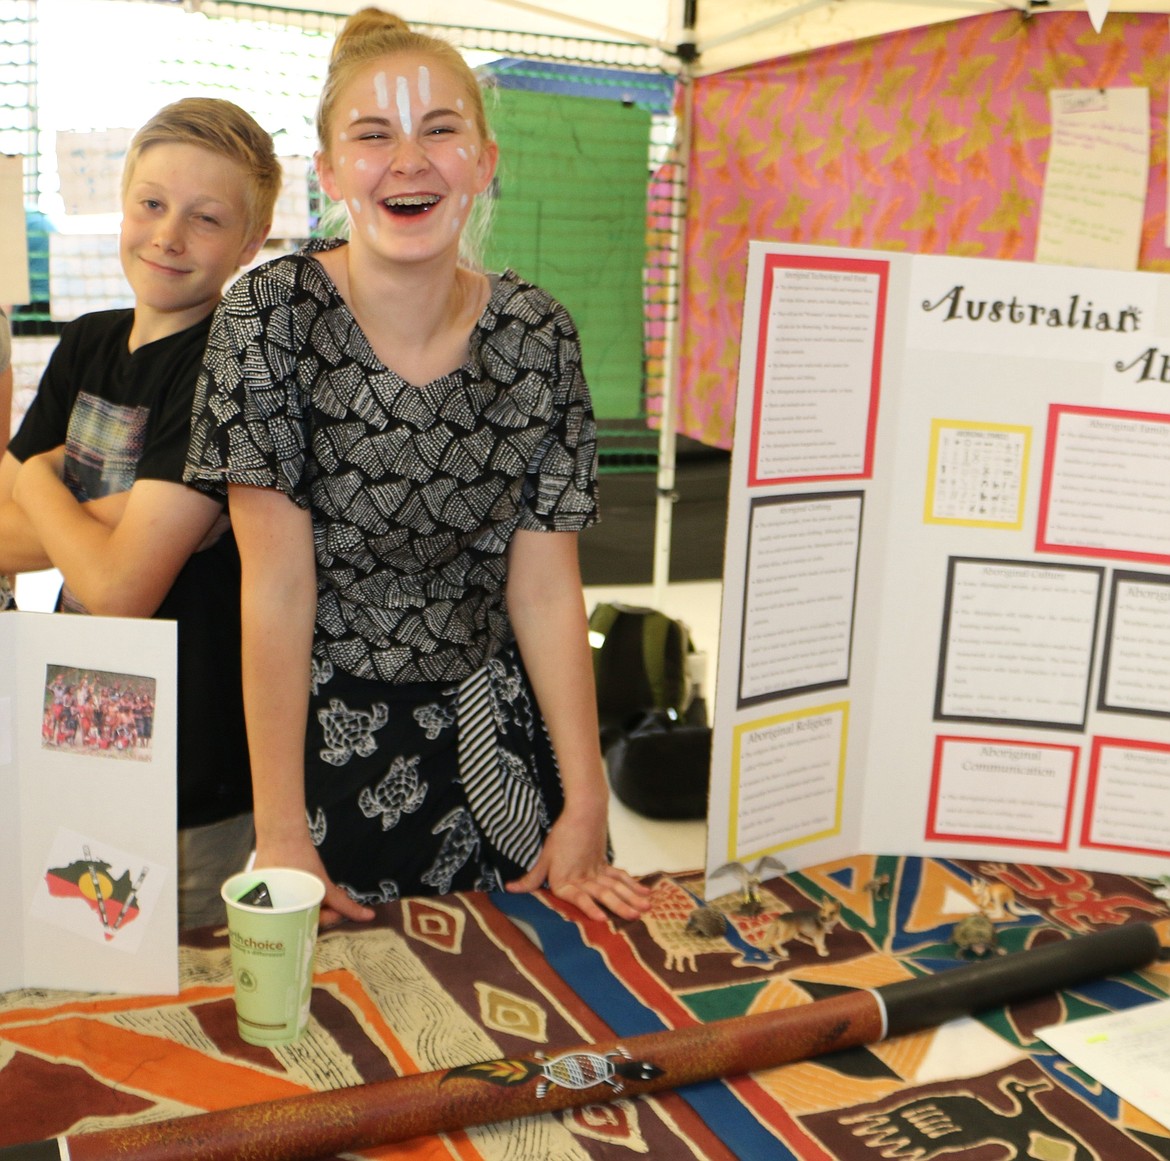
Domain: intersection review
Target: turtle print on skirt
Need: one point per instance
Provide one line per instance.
(431, 787)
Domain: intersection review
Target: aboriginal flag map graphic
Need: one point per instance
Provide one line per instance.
(111, 893)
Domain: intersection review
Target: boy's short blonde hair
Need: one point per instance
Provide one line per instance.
(221, 127)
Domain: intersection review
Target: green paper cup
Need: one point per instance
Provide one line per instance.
(272, 952)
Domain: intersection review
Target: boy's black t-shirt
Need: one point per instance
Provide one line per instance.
(125, 416)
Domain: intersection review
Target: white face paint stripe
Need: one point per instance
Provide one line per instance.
(356, 206)
(403, 91)
(424, 84)
(381, 91)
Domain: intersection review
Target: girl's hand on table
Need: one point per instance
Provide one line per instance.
(573, 864)
(337, 904)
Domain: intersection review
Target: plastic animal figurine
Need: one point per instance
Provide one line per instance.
(993, 899)
(810, 925)
(709, 922)
(975, 937)
(749, 879)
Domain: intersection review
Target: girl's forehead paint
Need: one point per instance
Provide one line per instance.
(381, 91)
(424, 84)
(459, 103)
(354, 114)
(403, 93)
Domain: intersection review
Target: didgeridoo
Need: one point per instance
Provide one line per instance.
(317, 1125)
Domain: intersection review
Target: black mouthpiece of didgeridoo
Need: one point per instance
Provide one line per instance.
(932, 1000)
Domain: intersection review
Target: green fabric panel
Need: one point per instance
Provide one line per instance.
(571, 217)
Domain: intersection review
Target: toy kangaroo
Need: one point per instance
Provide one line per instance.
(810, 925)
(995, 900)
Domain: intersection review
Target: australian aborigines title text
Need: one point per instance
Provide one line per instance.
(1074, 314)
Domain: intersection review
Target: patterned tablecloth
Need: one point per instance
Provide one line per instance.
(438, 982)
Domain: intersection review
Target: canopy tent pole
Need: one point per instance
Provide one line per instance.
(665, 495)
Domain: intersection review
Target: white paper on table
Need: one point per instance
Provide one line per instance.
(1128, 1052)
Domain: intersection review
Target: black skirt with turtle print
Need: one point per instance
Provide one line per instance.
(425, 788)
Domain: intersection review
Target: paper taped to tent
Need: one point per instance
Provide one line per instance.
(722, 34)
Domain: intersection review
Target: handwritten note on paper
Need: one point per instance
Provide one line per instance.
(13, 240)
(1095, 185)
(1128, 1052)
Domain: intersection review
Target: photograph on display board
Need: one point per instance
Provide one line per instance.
(107, 715)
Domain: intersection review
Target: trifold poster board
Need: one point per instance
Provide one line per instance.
(946, 608)
(87, 787)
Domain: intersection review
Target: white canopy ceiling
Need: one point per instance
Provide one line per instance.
(732, 33)
(727, 33)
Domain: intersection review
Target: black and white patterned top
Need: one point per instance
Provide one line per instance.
(415, 492)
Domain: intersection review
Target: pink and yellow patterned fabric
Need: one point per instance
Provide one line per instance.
(929, 141)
